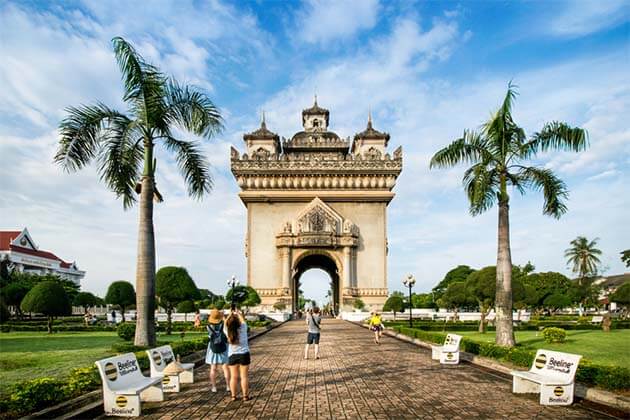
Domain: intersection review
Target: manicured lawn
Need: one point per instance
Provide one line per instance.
(29, 355)
(611, 348)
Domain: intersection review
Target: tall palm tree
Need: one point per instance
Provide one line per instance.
(123, 146)
(497, 153)
(582, 255)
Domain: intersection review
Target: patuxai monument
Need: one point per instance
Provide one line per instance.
(317, 201)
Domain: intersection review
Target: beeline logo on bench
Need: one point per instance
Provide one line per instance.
(127, 367)
(559, 365)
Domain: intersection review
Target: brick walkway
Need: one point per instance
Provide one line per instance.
(355, 379)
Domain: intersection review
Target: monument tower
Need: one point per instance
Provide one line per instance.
(317, 201)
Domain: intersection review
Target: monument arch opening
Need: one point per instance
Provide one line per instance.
(317, 200)
(316, 260)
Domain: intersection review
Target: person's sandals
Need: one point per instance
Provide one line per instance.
(234, 398)
(246, 398)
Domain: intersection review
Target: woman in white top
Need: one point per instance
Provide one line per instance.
(238, 353)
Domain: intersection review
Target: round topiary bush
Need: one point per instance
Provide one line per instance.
(48, 298)
(554, 335)
(126, 330)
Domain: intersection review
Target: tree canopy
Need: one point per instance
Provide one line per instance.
(621, 296)
(245, 296)
(394, 304)
(121, 293)
(48, 298)
(459, 273)
(174, 285)
(85, 300)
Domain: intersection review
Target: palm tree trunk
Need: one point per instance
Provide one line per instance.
(145, 266)
(503, 320)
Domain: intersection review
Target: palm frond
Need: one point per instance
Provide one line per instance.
(121, 158)
(470, 148)
(192, 164)
(192, 110)
(81, 133)
(144, 84)
(557, 136)
(553, 188)
(481, 185)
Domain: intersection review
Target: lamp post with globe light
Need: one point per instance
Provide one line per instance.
(409, 281)
(232, 283)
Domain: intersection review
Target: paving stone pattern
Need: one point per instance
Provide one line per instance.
(355, 379)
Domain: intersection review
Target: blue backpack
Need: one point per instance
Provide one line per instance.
(218, 340)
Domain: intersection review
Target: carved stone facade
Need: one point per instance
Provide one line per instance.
(317, 201)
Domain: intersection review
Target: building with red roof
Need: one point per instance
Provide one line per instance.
(25, 256)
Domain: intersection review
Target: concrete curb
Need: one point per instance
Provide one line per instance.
(91, 404)
(595, 395)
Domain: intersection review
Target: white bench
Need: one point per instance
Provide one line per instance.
(448, 354)
(159, 358)
(597, 319)
(552, 375)
(124, 386)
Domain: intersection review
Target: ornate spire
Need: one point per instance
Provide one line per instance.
(369, 124)
(262, 123)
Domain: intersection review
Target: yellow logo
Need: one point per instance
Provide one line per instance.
(558, 391)
(121, 401)
(540, 361)
(157, 358)
(111, 372)
(166, 380)
(449, 355)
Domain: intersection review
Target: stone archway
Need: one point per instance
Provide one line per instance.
(316, 259)
(317, 194)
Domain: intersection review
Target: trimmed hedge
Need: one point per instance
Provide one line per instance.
(37, 394)
(607, 377)
(523, 326)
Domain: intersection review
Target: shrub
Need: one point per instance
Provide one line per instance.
(36, 394)
(48, 298)
(126, 330)
(554, 335)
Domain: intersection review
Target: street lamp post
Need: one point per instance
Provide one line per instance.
(409, 281)
(232, 283)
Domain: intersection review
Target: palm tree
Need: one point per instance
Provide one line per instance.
(583, 256)
(497, 153)
(123, 145)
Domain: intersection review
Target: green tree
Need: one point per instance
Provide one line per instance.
(394, 303)
(358, 304)
(455, 297)
(557, 301)
(185, 308)
(172, 286)
(279, 306)
(5, 275)
(499, 153)
(625, 257)
(583, 258)
(124, 145)
(481, 286)
(48, 298)
(621, 296)
(85, 300)
(13, 294)
(539, 286)
(459, 273)
(423, 300)
(121, 293)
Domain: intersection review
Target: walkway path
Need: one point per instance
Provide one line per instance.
(356, 379)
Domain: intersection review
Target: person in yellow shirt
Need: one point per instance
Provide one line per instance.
(376, 325)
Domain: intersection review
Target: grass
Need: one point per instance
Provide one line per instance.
(29, 355)
(611, 348)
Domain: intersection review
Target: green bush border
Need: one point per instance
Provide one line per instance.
(589, 373)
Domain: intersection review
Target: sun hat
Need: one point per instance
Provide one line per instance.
(216, 316)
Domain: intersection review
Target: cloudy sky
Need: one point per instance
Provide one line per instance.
(427, 70)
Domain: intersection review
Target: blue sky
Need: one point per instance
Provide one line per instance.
(427, 70)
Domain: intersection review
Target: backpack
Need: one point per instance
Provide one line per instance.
(218, 340)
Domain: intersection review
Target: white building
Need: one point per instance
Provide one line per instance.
(25, 256)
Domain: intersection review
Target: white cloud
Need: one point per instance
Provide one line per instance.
(584, 17)
(321, 21)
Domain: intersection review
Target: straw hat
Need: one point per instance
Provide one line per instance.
(216, 316)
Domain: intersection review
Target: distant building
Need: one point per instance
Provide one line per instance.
(25, 256)
(608, 286)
